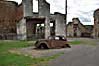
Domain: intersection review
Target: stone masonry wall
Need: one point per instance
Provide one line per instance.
(8, 10)
(60, 24)
(19, 14)
(96, 24)
(44, 11)
(27, 7)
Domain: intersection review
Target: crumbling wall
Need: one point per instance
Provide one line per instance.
(44, 12)
(77, 29)
(8, 11)
(70, 30)
(19, 14)
(96, 24)
(27, 7)
(60, 26)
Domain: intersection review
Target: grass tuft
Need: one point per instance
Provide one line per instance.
(74, 42)
(85, 42)
(6, 45)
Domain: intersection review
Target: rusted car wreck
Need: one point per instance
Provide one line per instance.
(52, 42)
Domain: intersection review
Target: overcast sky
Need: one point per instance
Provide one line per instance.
(83, 9)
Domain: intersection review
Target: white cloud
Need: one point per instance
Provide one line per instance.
(83, 9)
(57, 6)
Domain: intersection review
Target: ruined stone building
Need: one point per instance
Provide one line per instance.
(77, 29)
(20, 22)
(8, 10)
(96, 24)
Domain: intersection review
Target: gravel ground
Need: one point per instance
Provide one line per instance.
(80, 55)
(31, 51)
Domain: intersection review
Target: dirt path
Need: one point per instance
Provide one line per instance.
(35, 53)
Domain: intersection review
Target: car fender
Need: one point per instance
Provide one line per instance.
(43, 42)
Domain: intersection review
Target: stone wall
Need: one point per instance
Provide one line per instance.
(21, 30)
(44, 12)
(8, 11)
(70, 30)
(80, 25)
(96, 24)
(60, 24)
(77, 29)
(12, 18)
(19, 14)
(27, 7)
(27, 10)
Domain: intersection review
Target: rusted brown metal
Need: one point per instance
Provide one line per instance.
(52, 42)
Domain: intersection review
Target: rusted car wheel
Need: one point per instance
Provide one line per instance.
(43, 46)
(67, 45)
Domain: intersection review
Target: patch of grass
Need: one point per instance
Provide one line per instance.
(14, 59)
(74, 42)
(85, 42)
(92, 43)
(6, 45)
(9, 59)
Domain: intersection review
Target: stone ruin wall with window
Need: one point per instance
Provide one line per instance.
(11, 15)
(77, 29)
